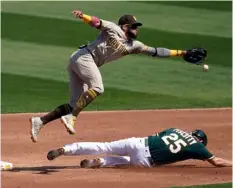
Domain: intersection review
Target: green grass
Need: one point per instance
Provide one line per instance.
(217, 5)
(164, 17)
(61, 33)
(223, 185)
(39, 37)
(23, 94)
(132, 73)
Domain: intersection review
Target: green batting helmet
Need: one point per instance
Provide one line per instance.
(201, 136)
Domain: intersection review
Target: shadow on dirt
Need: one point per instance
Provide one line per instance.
(46, 170)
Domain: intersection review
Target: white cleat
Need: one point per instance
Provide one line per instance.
(36, 126)
(93, 163)
(69, 121)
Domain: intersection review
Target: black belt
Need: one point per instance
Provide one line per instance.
(89, 51)
(149, 158)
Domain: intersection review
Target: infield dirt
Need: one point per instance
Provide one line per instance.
(33, 170)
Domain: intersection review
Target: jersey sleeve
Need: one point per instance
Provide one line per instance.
(107, 26)
(110, 28)
(201, 152)
(141, 48)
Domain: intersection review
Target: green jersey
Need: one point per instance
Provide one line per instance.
(173, 145)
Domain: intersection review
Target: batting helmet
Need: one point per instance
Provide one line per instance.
(200, 135)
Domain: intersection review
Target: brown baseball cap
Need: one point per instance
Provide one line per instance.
(128, 19)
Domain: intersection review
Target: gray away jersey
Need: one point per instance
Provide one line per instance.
(112, 44)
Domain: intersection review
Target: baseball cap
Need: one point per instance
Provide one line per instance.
(128, 19)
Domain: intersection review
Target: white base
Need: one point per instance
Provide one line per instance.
(6, 165)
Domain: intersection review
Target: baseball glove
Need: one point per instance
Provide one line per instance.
(195, 55)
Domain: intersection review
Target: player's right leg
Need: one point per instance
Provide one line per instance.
(84, 68)
(107, 161)
(77, 88)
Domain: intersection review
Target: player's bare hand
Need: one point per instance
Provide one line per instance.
(78, 13)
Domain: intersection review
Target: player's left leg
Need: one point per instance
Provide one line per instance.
(37, 123)
(85, 68)
(91, 148)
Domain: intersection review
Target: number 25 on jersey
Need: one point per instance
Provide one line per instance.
(174, 143)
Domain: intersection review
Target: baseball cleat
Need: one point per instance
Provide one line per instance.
(36, 126)
(93, 163)
(69, 121)
(53, 154)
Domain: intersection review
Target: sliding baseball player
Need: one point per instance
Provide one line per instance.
(169, 146)
(114, 42)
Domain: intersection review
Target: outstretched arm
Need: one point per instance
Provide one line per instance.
(95, 22)
(91, 20)
(193, 55)
(219, 162)
(158, 51)
(163, 52)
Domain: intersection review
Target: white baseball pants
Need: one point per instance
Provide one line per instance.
(131, 151)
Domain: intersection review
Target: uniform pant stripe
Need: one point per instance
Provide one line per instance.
(92, 93)
(95, 94)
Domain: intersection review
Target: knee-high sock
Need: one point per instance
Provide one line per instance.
(61, 110)
(86, 98)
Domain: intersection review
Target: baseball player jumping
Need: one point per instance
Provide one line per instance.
(114, 42)
(166, 147)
